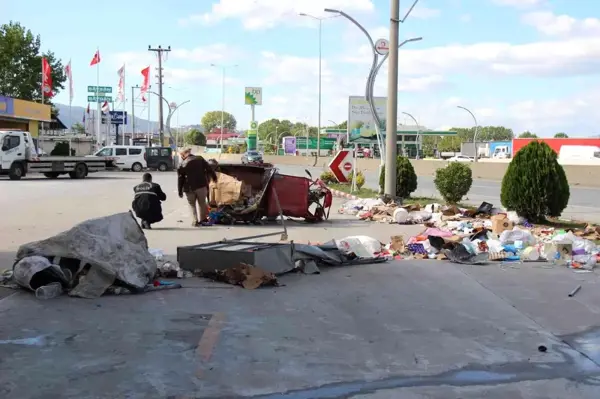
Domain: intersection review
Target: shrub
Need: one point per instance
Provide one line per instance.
(327, 177)
(406, 178)
(454, 181)
(360, 179)
(535, 184)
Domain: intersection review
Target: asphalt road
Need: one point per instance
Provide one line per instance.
(404, 329)
(584, 203)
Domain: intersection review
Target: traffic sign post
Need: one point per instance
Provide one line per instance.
(382, 46)
(341, 166)
(99, 99)
(100, 89)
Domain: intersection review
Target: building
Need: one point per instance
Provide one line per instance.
(556, 144)
(23, 115)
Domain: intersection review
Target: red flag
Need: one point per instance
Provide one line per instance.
(121, 87)
(46, 79)
(145, 83)
(69, 73)
(105, 107)
(88, 109)
(96, 59)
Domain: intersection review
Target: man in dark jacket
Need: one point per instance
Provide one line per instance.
(146, 203)
(193, 177)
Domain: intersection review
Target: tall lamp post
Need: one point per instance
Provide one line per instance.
(395, 19)
(418, 130)
(223, 70)
(476, 130)
(320, 19)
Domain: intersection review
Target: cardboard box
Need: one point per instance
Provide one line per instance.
(227, 190)
(500, 223)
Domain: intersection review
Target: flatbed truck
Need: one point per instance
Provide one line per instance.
(18, 158)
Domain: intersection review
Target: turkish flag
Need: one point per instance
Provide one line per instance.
(145, 83)
(96, 59)
(46, 79)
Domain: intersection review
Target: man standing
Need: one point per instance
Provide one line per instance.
(193, 176)
(146, 203)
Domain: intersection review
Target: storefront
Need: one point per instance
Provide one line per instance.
(23, 115)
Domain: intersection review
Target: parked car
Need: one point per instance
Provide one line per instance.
(159, 158)
(128, 157)
(252, 157)
(460, 158)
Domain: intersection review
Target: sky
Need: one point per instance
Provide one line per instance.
(530, 65)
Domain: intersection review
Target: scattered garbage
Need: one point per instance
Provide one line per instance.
(248, 276)
(483, 235)
(107, 255)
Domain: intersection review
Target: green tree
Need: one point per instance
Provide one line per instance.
(212, 120)
(78, 128)
(535, 184)
(195, 137)
(21, 64)
(406, 178)
(561, 135)
(449, 144)
(454, 181)
(527, 135)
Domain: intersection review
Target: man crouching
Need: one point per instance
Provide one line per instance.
(146, 202)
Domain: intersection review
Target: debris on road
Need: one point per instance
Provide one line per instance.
(248, 276)
(107, 255)
(478, 236)
(575, 291)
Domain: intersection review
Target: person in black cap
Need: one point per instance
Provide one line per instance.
(147, 201)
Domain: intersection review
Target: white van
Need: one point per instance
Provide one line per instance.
(129, 157)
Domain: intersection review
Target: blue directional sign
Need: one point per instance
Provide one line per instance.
(118, 117)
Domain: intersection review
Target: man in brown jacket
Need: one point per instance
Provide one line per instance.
(193, 177)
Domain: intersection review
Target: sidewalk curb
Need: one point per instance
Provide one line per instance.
(341, 194)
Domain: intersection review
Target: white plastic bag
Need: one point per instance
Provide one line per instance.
(516, 234)
(361, 246)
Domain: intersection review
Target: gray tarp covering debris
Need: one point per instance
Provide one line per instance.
(109, 249)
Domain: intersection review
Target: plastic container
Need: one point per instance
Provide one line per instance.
(49, 291)
(531, 254)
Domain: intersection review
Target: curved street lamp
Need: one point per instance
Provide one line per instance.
(171, 111)
(223, 70)
(418, 130)
(476, 130)
(373, 73)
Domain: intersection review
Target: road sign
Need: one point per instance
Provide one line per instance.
(253, 96)
(382, 46)
(341, 166)
(118, 117)
(99, 99)
(100, 89)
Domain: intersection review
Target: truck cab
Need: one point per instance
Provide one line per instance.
(16, 148)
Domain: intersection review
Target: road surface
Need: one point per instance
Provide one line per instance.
(583, 204)
(404, 329)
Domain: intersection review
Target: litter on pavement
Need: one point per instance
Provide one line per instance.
(107, 255)
(477, 236)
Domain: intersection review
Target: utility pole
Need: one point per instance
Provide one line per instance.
(159, 50)
(391, 139)
(133, 110)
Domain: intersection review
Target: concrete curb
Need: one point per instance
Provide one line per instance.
(341, 194)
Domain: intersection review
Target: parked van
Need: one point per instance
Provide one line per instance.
(159, 158)
(579, 153)
(129, 157)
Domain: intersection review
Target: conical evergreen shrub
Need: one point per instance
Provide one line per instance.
(535, 184)
(406, 178)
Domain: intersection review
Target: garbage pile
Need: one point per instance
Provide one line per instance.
(228, 194)
(107, 255)
(488, 234)
(379, 211)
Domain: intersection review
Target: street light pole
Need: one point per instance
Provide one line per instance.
(320, 75)
(476, 130)
(223, 70)
(418, 130)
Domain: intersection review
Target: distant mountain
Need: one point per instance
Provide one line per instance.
(75, 115)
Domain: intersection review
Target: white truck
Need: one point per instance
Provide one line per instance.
(18, 157)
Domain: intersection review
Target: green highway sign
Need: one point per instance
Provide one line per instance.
(99, 99)
(100, 89)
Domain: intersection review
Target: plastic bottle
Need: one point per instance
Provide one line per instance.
(49, 291)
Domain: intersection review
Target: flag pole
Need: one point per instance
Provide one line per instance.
(42, 123)
(71, 96)
(124, 125)
(149, 129)
(99, 121)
